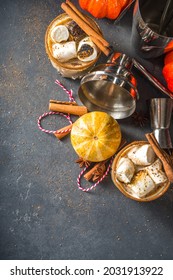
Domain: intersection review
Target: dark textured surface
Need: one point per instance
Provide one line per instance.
(43, 215)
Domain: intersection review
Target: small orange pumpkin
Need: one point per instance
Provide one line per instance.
(168, 70)
(104, 8)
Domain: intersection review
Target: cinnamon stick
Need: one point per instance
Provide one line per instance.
(63, 102)
(99, 44)
(90, 31)
(69, 3)
(162, 155)
(90, 173)
(67, 107)
(78, 19)
(60, 133)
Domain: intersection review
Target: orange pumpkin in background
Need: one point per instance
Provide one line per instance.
(168, 58)
(168, 70)
(104, 8)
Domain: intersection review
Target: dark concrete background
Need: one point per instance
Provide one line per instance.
(43, 214)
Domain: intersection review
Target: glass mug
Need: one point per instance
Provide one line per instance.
(152, 27)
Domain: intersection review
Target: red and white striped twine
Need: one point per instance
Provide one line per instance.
(69, 92)
(53, 131)
(67, 116)
(98, 182)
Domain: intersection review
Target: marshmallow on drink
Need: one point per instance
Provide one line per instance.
(125, 170)
(156, 173)
(141, 184)
(64, 52)
(142, 155)
(59, 33)
(87, 50)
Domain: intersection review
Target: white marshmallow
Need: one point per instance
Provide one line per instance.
(141, 184)
(142, 155)
(155, 172)
(156, 165)
(64, 52)
(125, 170)
(83, 44)
(59, 33)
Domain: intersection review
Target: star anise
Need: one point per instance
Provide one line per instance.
(99, 172)
(83, 162)
(139, 118)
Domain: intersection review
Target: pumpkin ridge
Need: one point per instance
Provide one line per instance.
(96, 8)
(80, 145)
(101, 128)
(104, 8)
(85, 126)
(99, 153)
(89, 151)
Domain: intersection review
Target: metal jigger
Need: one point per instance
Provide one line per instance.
(160, 117)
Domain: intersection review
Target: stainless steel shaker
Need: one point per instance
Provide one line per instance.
(152, 27)
(110, 87)
(160, 117)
